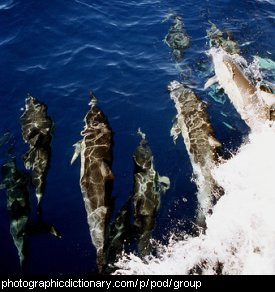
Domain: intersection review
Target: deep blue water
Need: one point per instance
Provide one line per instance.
(60, 50)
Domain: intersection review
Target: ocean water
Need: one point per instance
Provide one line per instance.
(59, 51)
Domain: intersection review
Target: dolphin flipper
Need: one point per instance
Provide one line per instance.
(175, 130)
(210, 82)
(214, 142)
(77, 149)
(164, 181)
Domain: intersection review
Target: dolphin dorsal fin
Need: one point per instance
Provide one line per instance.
(93, 100)
(143, 135)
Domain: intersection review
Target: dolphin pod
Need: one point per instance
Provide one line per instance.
(193, 123)
(96, 179)
(145, 202)
(147, 190)
(17, 186)
(37, 133)
(148, 187)
(96, 176)
(254, 101)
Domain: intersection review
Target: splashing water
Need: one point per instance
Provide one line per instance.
(240, 233)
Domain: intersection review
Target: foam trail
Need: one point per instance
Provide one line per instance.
(240, 234)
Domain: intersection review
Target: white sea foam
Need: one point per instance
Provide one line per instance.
(240, 233)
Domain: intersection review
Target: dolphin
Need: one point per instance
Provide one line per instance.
(254, 101)
(193, 123)
(17, 185)
(18, 203)
(96, 177)
(7, 141)
(177, 39)
(5, 138)
(148, 187)
(37, 133)
(120, 234)
(222, 39)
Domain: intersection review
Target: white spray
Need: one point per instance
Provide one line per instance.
(240, 234)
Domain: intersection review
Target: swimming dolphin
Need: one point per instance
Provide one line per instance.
(222, 39)
(177, 39)
(7, 142)
(17, 184)
(18, 203)
(120, 234)
(255, 102)
(148, 187)
(193, 123)
(5, 138)
(96, 176)
(252, 98)
(37, 133)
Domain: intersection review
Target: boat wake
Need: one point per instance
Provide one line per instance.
(240, 234)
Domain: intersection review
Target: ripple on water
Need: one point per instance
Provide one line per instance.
(7, 4)
(8, 40)
(35, 67)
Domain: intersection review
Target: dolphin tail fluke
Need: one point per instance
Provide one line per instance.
(41, 226)
(55, 232)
